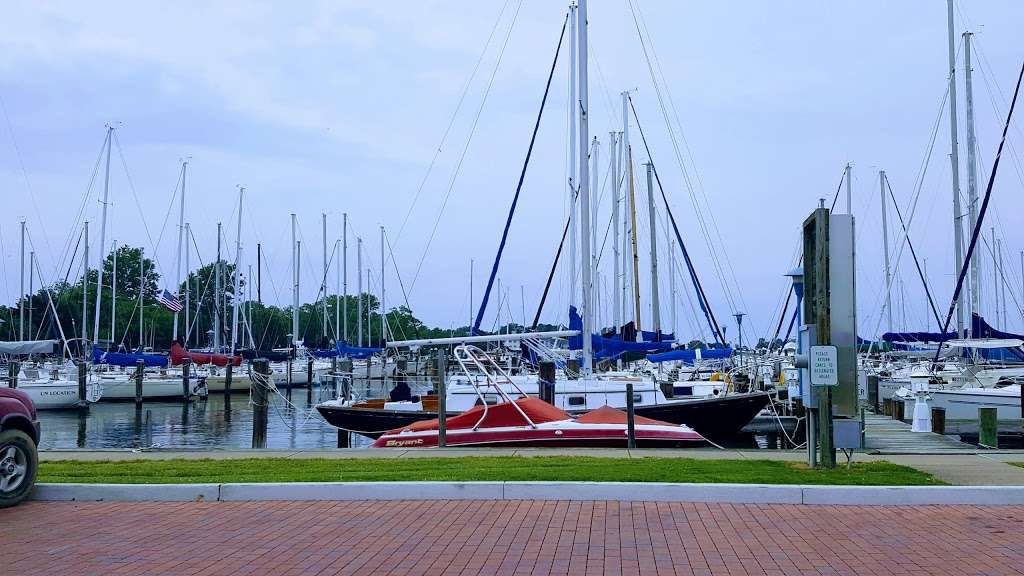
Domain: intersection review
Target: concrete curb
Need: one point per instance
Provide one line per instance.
(613, 491)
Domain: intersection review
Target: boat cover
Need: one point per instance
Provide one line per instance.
(178, 354)
(607, 348)
(344, 349)
(498, 415)
(608, 415)
(127, 359)
(979, 329)
(687, 355)
(271, 355)
(28, 347)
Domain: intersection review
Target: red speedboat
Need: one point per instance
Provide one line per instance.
(533, 422)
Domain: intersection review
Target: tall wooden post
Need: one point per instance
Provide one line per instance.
(13, 367)
(83, 389)
(546, 382)
(260, 389)
(630, 418)
(140, 370)
(186, 369)
(442, 398)
(228, 376)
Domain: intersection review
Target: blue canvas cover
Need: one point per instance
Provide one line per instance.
(127, 359)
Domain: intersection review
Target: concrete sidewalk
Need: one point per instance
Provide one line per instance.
(970, 469)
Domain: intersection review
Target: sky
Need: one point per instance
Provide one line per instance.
(417, 116)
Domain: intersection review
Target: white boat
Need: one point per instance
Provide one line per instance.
(963, 403)
(56, 389)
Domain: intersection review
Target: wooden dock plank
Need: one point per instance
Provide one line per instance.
(883, 435)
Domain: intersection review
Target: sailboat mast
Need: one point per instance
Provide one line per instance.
(652, 224)
(627, 171)
(85, 288)
(359, 289)
(995, 278)
(181, 238)
(595, 166)
(103, 240)
(573, 185)
(188, 292)
(616, 280)
(337, 293)
(113, 294)
(585, 263)
(885, 252)
(954, 159)
(344, 275)
(671, 250)
(972, 175)
(31, 291)
(383, 310)
(21, 298)
(1002, 280)
(295, 287)
(323, 281)
(216, 296)
(633, 247)
(142, 292)
(236, 290)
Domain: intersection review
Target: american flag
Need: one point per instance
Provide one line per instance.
(169, 301)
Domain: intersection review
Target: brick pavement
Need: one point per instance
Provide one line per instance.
(506, 538)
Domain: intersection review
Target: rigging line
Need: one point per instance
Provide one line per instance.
(131, 186)
(981, 217)
(24, 174)
(782, 318)
(451, 122)
(519, 186)
(689, 152)
(920, 272)
(838, 189)
(702, 298)
(712, 246)
(398, 274)
(465, 149)
(81, 208)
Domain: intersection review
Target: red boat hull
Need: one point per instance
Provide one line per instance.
(606, 438)
(179, 354)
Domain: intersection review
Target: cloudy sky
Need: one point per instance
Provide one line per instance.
(417, 115)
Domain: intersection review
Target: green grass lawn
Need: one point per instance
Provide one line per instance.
(475, 468)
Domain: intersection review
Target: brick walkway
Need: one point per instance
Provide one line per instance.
(512, 538)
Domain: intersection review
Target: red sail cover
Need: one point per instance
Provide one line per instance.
(178, 354)
(499, 415)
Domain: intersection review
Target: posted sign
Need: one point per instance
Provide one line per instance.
(824, 366)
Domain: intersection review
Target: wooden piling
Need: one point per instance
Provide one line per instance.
(288, 377)
(309, 371)
(140, 370)
(572, 368)
(260, 389)
(988, 427)
(442, 398)
(346, 379)
(186, 369)
(630, 417)
(228, 376)
(13, 367)
(939, 420)
(546, 382)
(898, 409)
(334, 376)
(83, 389)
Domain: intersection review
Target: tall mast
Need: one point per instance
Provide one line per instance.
(216, 296)
(359, 289)
(471, 309)
(181, 238)
(295, 286)
(652, 224)
(248, 308)
(972, 175)
(323, 282)
(383, 310)
(236, 291)
(103, 240)
(337, 294)
(142, 301)
(627, 179)
(849, 188)
(188, 292)
(573, 183)
(344, 274)
(616, 279)
(1002, 280)
(113, 294)
(31, 291)
(671, 250)
(995, 278)
(954, 159)
(21, 297)
(635, 257)
(595, 167)
(885, 252)
(85, 288)
(585, 263)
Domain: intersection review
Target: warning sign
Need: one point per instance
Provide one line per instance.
(824, 366)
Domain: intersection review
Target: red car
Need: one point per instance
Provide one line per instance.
(19, 436)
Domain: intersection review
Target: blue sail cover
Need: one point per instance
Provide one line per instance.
(653, 336)
(979, 329)
(343, 349)
(690, 356)
(127, 359)
(607, 348)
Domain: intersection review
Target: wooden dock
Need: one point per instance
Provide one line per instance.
(883, 435)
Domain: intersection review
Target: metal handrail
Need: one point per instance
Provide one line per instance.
(467, 353)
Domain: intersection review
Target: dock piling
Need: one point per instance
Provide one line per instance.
(13, 367)
(546, 382)
(83, 391)
(630, 418)
(939, 420)
(260, 389)
(186, 368)
(988, 428)
(140, 369)
(442, 398)
(228, 375)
